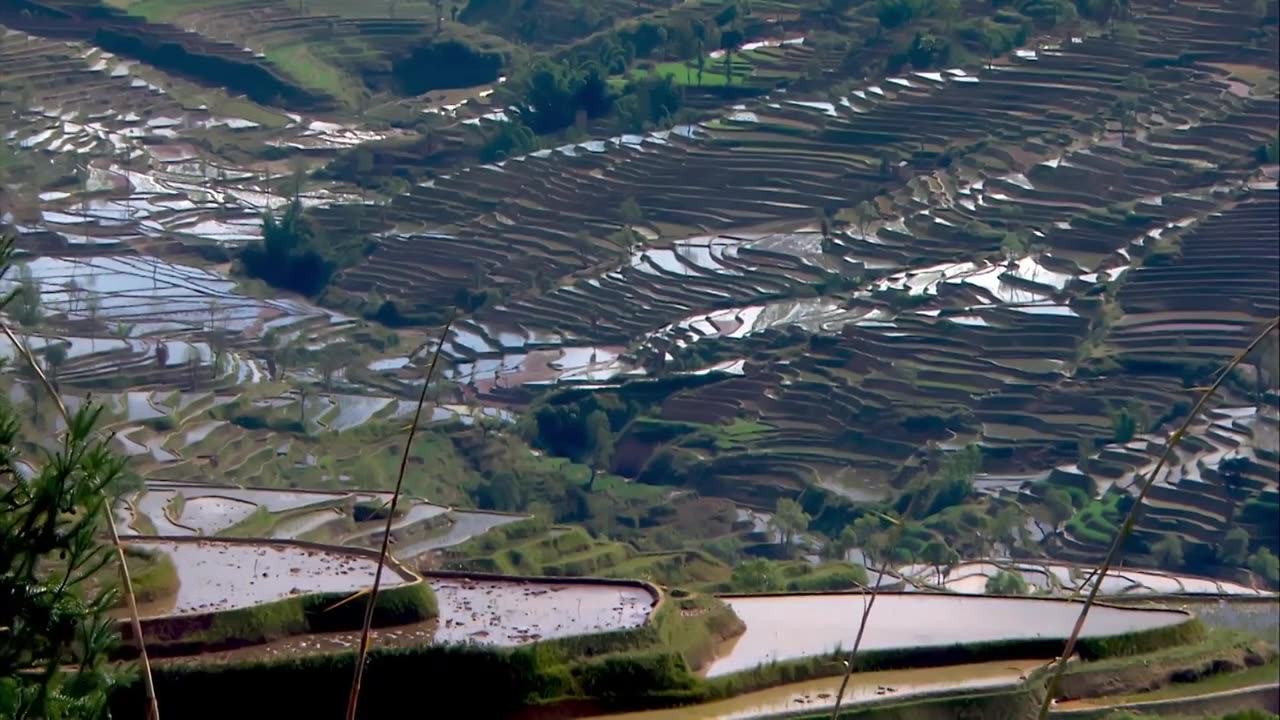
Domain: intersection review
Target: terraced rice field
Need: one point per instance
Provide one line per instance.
(219, 575)
(513, 613)
(788, 627)
(1057, 578)
(1001, 261)
(864, 688)
(463, 525)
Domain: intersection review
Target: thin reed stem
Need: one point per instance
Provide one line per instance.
(153, 707)
(362, 654)
(1114, 552)
(899, 525)
(857, 641)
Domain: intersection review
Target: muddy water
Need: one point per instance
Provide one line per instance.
(814, 695)
(466, 525)
(220, 576)
(209, 514)
(511, 613)
(784, 628)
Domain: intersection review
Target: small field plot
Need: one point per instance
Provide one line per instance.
(786, 628)
(210, 514)
(146, 292)
(512, 613)
(463, 525)
(218, 575)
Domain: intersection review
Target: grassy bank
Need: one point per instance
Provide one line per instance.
(321, 612)
(639, 668)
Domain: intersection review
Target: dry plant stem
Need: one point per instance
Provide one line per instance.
(899, 525)
(362, 654)
(857, 641)
(1113, 553)
(153, 707)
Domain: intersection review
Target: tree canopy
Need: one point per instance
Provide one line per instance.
(289, 256)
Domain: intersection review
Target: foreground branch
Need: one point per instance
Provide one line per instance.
(1114, 552)
(135, 621)
(362, 654)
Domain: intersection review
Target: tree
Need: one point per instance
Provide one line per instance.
(1123, 425)
(1006, 583)
(756, 576)
(1013, 246)
(630, 212)
(936, 553)
(824, 227)
(1136, 83)
(287, 256)
(582, 243)
(218, 345)
(57, 633)
(869, 532)
(24, 304)
(332, 359)
(1234, 548)
(599, 444)
(92, 303)
(1168, 552)
(1007, 526)
(1266, 565)
(1124, 111)
(74, 295)
(838, 547)
(789, 519)
(865, 215)
(701, 59)
(55, 354)
(507, 140)
(1058, 505)
(298, 171)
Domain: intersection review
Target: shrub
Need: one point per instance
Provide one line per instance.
(1006, 583)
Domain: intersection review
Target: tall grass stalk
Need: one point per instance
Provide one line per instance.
(126, 581)
(1113, 553)
(899, 526)
(857, 641)
(362, 654)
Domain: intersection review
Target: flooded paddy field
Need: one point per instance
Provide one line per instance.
(219, 575)
(789, 627)
(151, 294)
(1065, 579)
(864, 687)
(187, 509)
(463, 525)
(505, 613)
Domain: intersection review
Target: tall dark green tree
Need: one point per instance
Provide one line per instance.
(287, 257)
(55, 631)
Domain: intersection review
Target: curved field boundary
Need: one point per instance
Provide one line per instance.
(827, 663)
(1014, 562)
(658, 597)
(193, 633)
(405, 572)
(1029, 598)
(1265, 696)
(1194, 598)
